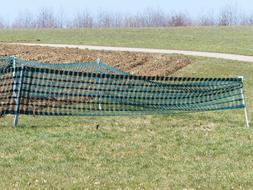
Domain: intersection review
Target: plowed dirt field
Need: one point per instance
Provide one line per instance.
(134, 63)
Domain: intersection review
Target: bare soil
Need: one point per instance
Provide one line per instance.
(134, 63)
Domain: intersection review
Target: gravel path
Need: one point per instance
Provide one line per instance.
(234, 57)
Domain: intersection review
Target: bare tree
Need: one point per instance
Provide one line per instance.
(60, 19)
(109, 20)
(180, 19)
(246, 20)
(24, 20)
(206, 20)
(105, 20)
(154, 18)
(46, 19)
(139, 20)
(83, 20)
(2, 25)
(149, 18)
(228, 16)
(131, 21)
(250, 20)
(118, 20)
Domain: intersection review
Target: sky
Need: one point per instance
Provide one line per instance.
(10, 9)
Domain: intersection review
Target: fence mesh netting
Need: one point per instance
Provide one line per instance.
(76, 90)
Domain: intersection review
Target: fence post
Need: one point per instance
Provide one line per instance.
(99, 80)
(244, 103)
(14, 75)
(14, 94)
(18, 96)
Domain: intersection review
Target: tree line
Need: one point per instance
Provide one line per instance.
(46, 18)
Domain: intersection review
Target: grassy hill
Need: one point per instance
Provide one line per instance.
(237, 40)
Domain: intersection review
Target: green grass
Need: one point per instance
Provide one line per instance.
(237, 40)
(190, 151)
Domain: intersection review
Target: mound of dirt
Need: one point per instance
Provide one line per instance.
(134, 63)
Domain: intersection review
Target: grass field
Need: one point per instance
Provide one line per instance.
(189, 151)
(237, 40)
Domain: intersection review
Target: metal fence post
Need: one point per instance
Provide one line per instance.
(14, 75)
(244, 103)
(14, 94)
(99, 81)
(18, 96)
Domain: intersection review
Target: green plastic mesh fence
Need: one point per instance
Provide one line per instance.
(92, 67)
(72, 90)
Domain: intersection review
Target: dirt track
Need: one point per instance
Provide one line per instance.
(135, 63)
